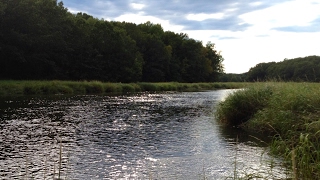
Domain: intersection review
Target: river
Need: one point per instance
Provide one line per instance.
(170, 135)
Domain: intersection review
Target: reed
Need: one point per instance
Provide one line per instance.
(93, 87)
(8, 88)
(239, 107)
(287, 111)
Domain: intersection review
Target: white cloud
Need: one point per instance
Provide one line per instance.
(101, 3)
(137, 6)
(241, 54)
(203, 16)
(75, 11)
(291, 13)
(245, 50)
(141, 18)
(256, 3)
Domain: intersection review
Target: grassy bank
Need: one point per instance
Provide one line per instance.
(288, 111)
(96, 87)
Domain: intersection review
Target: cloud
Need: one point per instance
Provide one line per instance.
(226, 37)
(231, 24)
(247, 32)
(137, 6)
(203, 16)
(141, 18)
(192, 15)
(283, 16)
(313, 26)
(241, 54)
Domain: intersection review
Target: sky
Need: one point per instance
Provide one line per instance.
(246, 32)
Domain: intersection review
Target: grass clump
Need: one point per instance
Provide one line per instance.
(77, 87)
(112, 87)
(290, 112)
(94, 87)
(239, 107)
(148, 86)
(54, 87)
(128, 88)
(7, 88)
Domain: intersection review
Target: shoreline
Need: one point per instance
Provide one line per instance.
(25, 87)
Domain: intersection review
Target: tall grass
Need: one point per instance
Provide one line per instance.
(8, 88)
(288, 111)
(239, 107)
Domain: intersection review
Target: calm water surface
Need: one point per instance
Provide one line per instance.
(138, 136)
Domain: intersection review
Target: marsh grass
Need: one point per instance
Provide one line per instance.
(239, 107)
(288, 111)
(8, 88)
(93, 87)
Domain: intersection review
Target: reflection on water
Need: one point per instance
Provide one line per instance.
(141, 136)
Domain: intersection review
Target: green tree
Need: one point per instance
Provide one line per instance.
(214, 60)
(40, 39)
(259, 72)
(30, 35)
(156, 59)
(297, 69)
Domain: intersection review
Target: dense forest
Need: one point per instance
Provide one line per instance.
(297, 69)
(42, 40)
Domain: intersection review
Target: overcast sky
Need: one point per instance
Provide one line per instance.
(247, 32)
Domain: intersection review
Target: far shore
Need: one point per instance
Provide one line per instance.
(37, 87)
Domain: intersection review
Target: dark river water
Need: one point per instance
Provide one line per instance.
(136, 136)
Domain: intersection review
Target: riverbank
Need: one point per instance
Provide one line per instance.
(11, 87)
(288, 111)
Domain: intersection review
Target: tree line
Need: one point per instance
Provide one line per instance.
(296, 69)
(42, 40)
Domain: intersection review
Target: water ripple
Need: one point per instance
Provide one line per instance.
(138, 136)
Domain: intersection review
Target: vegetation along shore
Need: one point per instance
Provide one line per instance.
(287, 111)
(11, 87)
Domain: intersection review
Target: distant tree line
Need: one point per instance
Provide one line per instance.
(297, 69)
(232, 77)
(41, 39)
